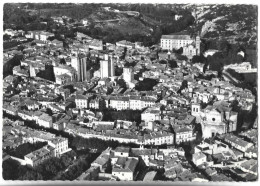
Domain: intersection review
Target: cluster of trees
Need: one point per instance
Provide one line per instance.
(121, 83)
(227, 54)
(146, 85)
(246, 119)
(75, 170)
(97, 144)
(130, 115)
(10, 44)
(92, 143)
(25, 149)
(47, 170)
(16, 16)
(181, 24)
(9, 65)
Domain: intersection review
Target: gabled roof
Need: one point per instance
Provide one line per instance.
(198, 156)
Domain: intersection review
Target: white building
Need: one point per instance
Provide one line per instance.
(128, 75)
(60, 145)
(158, 138)
(151, 114)
(122, 152)
(199, 158)
(81, 101)
(38, 156)
(169, 42)
(135, 102)
(45, 35)
(244, 67)
(125, 170)
(126, 44)
(119, 103)
(183, 134)
(84, 22)
(62, 69)
(107, 67)
(45, 120)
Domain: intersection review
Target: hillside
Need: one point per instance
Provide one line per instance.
(145, 22)
(235, 23)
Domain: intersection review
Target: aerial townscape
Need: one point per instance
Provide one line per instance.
(129, 92)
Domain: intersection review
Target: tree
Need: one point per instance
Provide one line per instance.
(10, 169)
(184, 85)
(62, 61)
(163, 61)
(157, 35)
(198, 59)
(31, 175)
(121, 83)
(172, 63)
(6, 37)
(118, 71)
(179, 51)
(146, 85)
(20, 47)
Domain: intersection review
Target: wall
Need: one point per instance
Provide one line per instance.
(21, 161)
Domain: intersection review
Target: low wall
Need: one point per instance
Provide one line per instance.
(21, 161)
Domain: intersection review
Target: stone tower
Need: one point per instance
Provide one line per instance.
(195, 111)
(197, 42)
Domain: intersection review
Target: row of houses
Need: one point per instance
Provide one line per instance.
(118, 102)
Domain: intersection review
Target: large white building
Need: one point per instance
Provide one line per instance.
(132, 102)
(60, 145)
(175, 41)
(107, 67)
(38, 156)
(191, 46)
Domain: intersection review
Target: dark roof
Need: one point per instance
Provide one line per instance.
(122, 149)
(177, 37)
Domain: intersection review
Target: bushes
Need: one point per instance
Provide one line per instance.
(146, 85)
